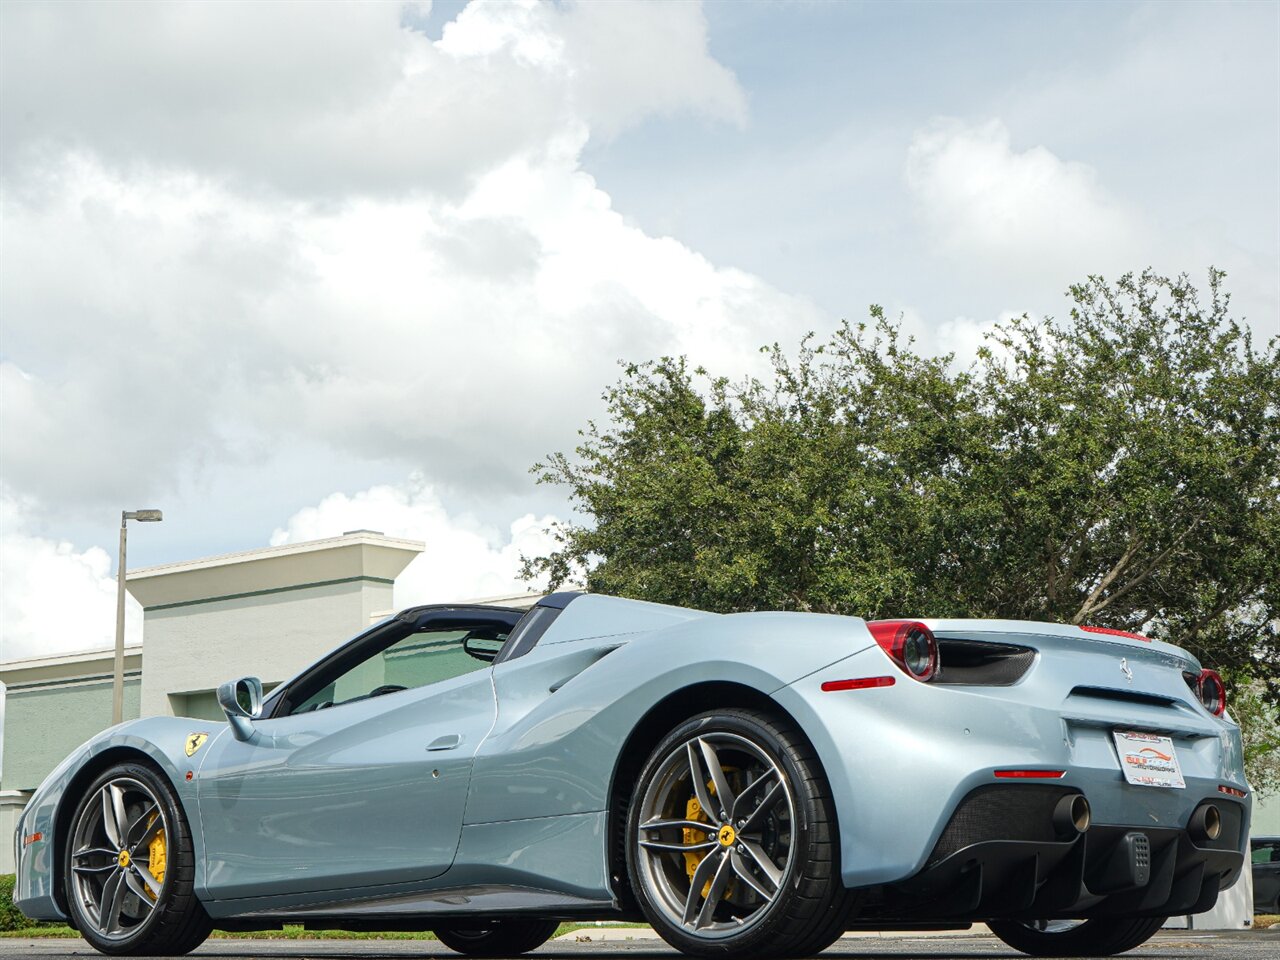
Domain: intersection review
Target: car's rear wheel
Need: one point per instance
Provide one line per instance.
(731, 840)
(500, 938)
(1076, 938)
(129, 867)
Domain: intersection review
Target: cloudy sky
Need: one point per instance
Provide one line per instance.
(285, 270)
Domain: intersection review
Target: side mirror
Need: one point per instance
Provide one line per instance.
(482, 647)
(241, 701)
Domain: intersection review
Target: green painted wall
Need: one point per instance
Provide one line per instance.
(428, 658)
(413, 662)
(201, 706)
(44, 724)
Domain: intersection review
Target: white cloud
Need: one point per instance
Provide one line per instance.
(960, 336)
(1028, 222)
(984, 201)
(466, 339)
(230, 230)
(463, 332)
(314, 100)
(464, 558)
(56, 599)
(613, 56)
(325, 100)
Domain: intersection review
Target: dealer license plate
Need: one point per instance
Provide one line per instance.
(1148, 760)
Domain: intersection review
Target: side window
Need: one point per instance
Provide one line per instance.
(416, 660)
(429, 657)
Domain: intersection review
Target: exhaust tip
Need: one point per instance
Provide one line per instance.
(1206, 822)
(1071, 816)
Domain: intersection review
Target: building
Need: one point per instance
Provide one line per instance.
(264, 613)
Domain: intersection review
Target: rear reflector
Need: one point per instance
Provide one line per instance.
(1031, 774)
(860, 684)
(1231, 791)
(1117, 633)
(31, 838)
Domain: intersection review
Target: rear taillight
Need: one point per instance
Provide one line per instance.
(1116, 633)
(910, 644)
(1212, 692)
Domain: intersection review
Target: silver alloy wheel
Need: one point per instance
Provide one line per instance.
(739, 847)
(111, 858)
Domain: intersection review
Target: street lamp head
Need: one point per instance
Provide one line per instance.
(144, 516)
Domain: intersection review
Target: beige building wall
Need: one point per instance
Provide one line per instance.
(265, 613)
(11, 805)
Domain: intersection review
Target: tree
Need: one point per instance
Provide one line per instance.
(1118, 469)
(1260, 733)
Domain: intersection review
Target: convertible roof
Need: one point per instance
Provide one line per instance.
(556, 601)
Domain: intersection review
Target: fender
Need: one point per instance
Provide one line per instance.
(162, 741)
(566, 710)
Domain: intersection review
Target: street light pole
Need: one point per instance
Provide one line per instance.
(117, 686)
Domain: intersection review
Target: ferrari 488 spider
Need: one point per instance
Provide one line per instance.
(752, 785)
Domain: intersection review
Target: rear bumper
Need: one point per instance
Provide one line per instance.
(901, 759)
(999, 858)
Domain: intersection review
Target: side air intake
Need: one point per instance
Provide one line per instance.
(976, 663)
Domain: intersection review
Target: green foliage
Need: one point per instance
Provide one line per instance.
(10, 917)
(1259, 719)
(1118, 469)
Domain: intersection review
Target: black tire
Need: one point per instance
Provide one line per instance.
(797, 909)
(173, 921)
(1103, 937)
(500, 938)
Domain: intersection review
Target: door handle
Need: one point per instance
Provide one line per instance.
(445, 743)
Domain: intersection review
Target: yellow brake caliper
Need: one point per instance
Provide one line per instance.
(693, 811)
(156, 853)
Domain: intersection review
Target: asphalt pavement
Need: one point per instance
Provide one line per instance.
(1168, 945)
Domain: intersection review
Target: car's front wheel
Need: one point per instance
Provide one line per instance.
(500, 938)
(1103, 937)
(731, 840)
(129, 867)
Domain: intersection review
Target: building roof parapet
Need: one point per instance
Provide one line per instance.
(357, 556)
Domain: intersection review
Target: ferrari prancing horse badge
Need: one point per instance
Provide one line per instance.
(195, 741)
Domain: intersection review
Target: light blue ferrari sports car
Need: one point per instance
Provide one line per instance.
(752, 785)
